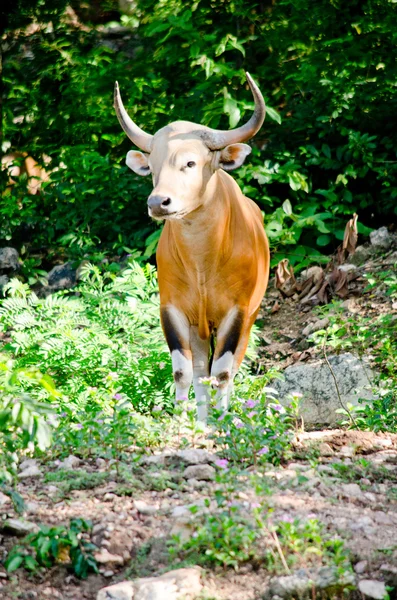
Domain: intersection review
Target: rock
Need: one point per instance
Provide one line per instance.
(181, 584)
(392, 259)
(4, 499)
(109, 497)
(347, 451)
(121, 543)
(172, 458)
(351, 490)
(325, 449)
(3, 281)
(32, 507)
(61, 277)
(105, 558)
(108, 573)
(361, 567)
(195, 484)
(119, 591)
(32, 472)
(70, 463)
(347, 268)
(28, 462)
(146, 509)
(101, 463)
(52, 489)
(304, 581)
(9, 259)
(361, 255)
(372, 589)
(312, 327)
(314, 381)
(199, 472)
(384, 442)
(195, 456)
(18, 527)
(351, 305)
(381, 239)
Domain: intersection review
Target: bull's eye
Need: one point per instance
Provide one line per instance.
(191, 164)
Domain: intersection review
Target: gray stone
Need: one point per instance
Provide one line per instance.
(146, 509)
(28, 462)
(351, 490)
(104, 557)
(195, 456)
(181, 584)
(61, 277)
(372, 589)
(314, 381)
(70, 463)
(347, 268)
(30, 472)
(361, 255)
(304, 580)
(4, 499)
(361, 567)
(312, 327)
(199, 472)
(381, 239)
(120, 591)
(325, 449)
(392, 259)
(3, 281)
(18, 527)
(9, 259)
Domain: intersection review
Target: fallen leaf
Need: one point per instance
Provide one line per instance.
(275, 308)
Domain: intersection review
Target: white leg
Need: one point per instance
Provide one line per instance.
(200, 350)
(182, 370)
(222, 369)
(177, 332)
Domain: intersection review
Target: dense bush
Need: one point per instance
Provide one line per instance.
(327, 73)
(104, 342)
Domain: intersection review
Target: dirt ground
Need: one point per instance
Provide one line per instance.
(345, 479)
(356, 500)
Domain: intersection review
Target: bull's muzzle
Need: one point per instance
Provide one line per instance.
(159, 206)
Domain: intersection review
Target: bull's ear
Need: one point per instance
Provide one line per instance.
(233, 156)
(138, 162)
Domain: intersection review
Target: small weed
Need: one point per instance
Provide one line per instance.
(363, 468)
(255, 431)
(76, 480)
(52, 545)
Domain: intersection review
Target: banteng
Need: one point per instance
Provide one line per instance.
(213, 255)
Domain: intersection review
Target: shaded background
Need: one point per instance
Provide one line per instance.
(328, 73)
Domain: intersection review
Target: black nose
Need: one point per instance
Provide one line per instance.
(156, 203)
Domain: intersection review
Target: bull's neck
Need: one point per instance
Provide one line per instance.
(202, 238)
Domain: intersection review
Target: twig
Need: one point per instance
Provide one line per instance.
(280, 551)
(336, 384)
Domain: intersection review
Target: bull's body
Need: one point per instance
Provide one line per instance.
(212, 257)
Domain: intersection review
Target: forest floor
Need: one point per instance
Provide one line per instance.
(345, 479)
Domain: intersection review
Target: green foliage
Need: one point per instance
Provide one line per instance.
(326, 150)
(104, 347)
(52, 545)
(229, 532)
(256, 430)
(377, 336)
(25, 422)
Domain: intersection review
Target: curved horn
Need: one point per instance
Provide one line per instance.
(136, 134)
(216, 139)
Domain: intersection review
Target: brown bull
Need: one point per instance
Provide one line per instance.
(213, 255)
